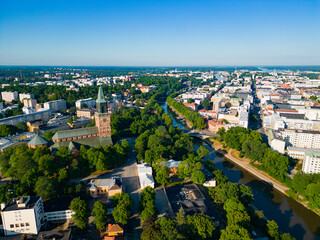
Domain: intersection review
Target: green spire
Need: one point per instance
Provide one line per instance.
(101, 102)
(100, 98)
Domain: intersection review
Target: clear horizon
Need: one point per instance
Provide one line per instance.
(160, 33)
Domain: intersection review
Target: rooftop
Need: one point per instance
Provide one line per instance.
(75, 132)
(37, 140)
(313, 154)
(172, 163)
(26, 202)
(111, 183)
(87, 142)
(57, 204)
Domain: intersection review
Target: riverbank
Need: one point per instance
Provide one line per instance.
(217, 146)
(189, 124)
(246, 165)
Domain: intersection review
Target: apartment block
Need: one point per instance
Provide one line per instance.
(88, 102)
(25, 95)
(301, 138)
(311, 163)
(9, 96)
(29, 102)
(56, 105)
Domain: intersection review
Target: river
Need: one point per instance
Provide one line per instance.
(291, 216)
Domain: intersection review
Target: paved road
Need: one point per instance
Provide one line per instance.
(129, 175)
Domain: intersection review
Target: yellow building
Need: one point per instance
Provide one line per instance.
(107, 186)
(114, 230)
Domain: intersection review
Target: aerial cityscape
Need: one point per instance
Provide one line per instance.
(160, 120)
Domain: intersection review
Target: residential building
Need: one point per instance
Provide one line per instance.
(145, 176)
(173, 166)
(56, 105)
(114, 230)
(23, 96)
(215, 125)
(300, 153)
(9, 96)
(29, 102)
(107, 186)
(191, 106)
(195, 95)
(232, 116)
(311, 163)
(208, 113)
(276, 141)
(85, 113)
(244, 119)
(145, 89)
(301, 138)
(86, 103)
(22, 215)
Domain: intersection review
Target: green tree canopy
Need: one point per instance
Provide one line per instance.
(99, 213)
(81, 212)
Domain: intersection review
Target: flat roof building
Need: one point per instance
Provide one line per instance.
(22, 215)
(145, 176)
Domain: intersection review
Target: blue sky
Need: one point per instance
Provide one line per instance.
(160, 32)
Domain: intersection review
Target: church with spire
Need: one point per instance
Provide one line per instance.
(91, 136)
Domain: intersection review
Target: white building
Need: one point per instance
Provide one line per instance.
(196, 95)
(25, 95)
(9, 96)
(244, 119)
(90, 102)
(276, 142)
(301, 138)
(56, 105)
(311, 164)
(29, 102)
(47, 75)
(300, 124)
(277, 122)
(145, 176)
(28, 110)
(22, 215)
(57, 209)
(208, 113)
(300, 153)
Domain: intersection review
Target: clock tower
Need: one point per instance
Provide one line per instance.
(102, 116)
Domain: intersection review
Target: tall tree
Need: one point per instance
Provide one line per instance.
(81, 212)
(99, 213)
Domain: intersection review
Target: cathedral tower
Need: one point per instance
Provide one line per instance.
(102, 116)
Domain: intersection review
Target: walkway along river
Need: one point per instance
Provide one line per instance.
(291, 216)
